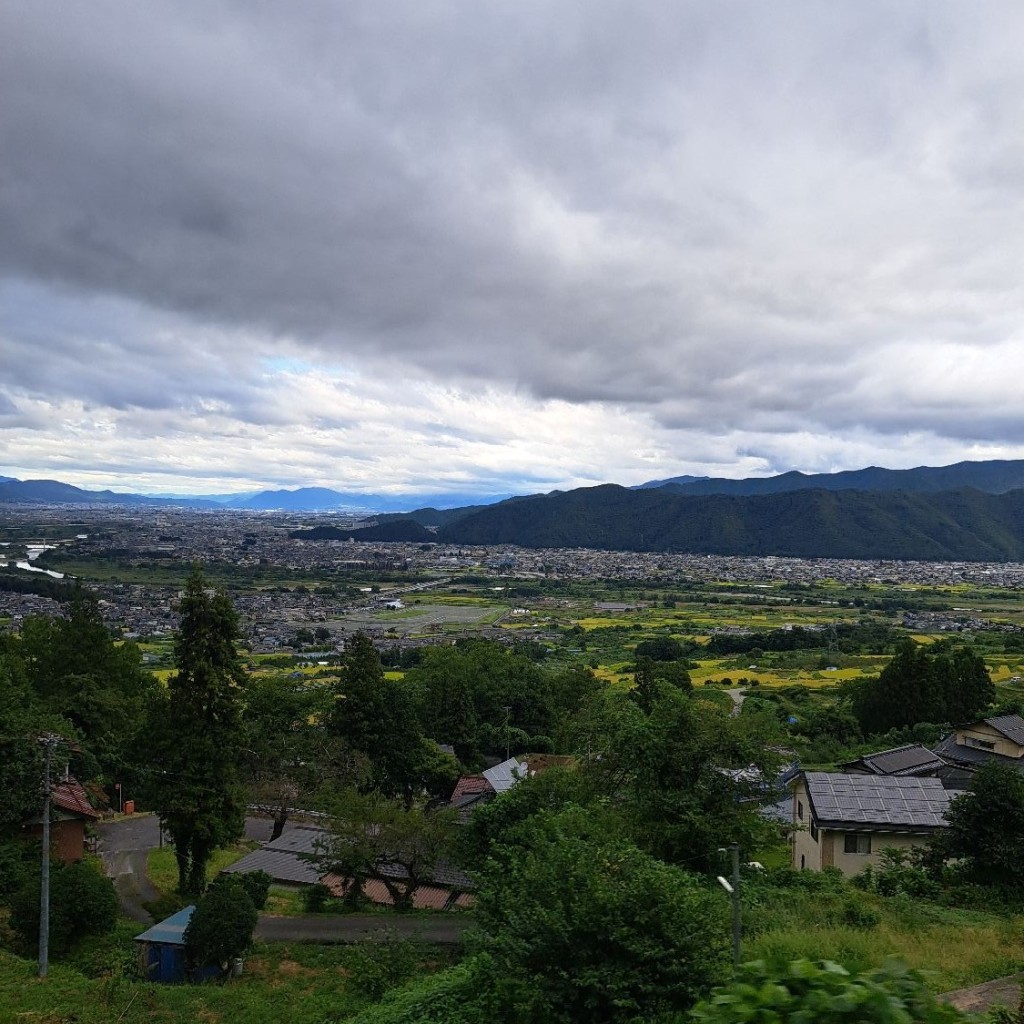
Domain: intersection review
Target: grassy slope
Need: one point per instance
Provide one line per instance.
(298, 984)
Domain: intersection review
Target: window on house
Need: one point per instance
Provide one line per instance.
(814, 831)
(973, 741)
(800, 810)
(856, 842)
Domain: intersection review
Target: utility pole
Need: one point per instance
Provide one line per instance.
(49, 742)
(733, 889)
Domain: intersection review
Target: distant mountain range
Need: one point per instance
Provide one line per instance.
(965, 524)
(995, 476)
(303, 499)
(972, 511)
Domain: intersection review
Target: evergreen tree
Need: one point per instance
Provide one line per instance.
(986, 827)
(922, 685)
(195, 735)
(78, 672)
(377, 717)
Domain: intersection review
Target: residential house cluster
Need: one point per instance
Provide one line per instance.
(893, 799)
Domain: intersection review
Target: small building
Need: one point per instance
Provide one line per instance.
(162, 951)
(71, 812)
(846, 821)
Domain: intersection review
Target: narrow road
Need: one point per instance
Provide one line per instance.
(338, 928)
(123, 846)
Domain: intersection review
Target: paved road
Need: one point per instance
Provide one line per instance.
(123, 846)
(982, 998)
(338, 928)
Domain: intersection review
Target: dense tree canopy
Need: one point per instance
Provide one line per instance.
(377, 718)
(76, 671)
(688, 776)
(924, 685)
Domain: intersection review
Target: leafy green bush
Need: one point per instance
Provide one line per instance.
(804, 991)
(580, 925)
(897, 874)
(315, 898)
(82, 902)
(377, 967)
(256, 885)
(455, 996)
(221, 925)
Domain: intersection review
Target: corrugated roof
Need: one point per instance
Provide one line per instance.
(171, 929)
(280, 859)
(877, 800)
(1010, 726)
(505, 775)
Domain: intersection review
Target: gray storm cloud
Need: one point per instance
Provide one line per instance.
(731, 215)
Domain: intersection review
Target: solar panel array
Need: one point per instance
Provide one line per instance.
(903, 760)
(877, 800)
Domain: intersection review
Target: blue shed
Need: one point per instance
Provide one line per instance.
(163, 950)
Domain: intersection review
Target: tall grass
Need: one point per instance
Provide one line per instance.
(861, 930)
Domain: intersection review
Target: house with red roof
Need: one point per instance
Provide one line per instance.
(71, 811)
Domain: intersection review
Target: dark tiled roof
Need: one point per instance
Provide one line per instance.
(972, 757)
(887, 801)
(910, 759)
(1010, 726)
(283, 861)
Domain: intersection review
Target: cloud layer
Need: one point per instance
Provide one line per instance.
(508, 245)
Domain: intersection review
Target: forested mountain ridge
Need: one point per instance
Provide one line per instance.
(966, 524)
(993, 476)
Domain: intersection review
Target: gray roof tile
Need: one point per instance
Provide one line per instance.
(1011, 726)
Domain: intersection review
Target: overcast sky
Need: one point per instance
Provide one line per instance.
(506, 246)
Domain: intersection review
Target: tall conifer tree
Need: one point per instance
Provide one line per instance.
(195, 735)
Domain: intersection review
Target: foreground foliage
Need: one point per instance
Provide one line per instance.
(82, 902)
(805, 991)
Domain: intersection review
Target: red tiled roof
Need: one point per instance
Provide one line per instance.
(469, 785)
(69, 795)
(426, 897)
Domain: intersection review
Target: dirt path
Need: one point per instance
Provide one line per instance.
(980, 998)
